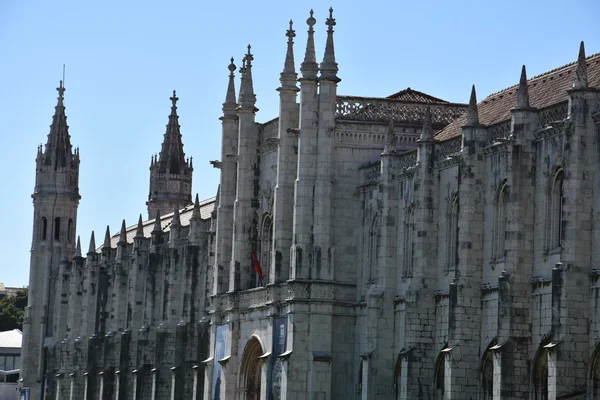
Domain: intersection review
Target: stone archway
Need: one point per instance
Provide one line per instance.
(540, 375)
(251, 370)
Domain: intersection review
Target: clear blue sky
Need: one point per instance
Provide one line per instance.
(124, 58)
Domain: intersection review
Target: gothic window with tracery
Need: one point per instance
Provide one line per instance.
(500, 219)
(554, 235)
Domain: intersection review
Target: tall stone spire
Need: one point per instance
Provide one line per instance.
(78, 248)
(107, 238)
(427, 131)
(172, 157)
(329, 67)
(581, 80)
(139, 231)
(58, 148)
(289, 76)
(247, 97)
(230, 102)
(123, 233)
(472, 115)
(309, 67)
(523, 91)
(171, 173)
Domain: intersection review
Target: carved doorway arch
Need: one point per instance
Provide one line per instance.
(251, 370)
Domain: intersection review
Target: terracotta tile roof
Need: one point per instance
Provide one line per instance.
(206, 208)
(545, 90)
(409, 94)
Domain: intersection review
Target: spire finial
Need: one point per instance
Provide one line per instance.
(427, 132)
(123, 233)
(174, 98)
(78, 247)
(61, 91)
(309, 67)
(523, 91)
(581, 80)
(92, 248)
(329, 67)
(139, 232)
(176, 221)
(196, 210)
(230, 102)
(157, 225)
(289, 76)
(472, 115)
(107, 237)
(247, 98)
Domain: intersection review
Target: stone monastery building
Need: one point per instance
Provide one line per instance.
(410, 248)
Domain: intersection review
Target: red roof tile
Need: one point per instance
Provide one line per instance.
(545, 90)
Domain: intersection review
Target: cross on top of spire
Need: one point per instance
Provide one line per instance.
(174, 98)
(291, 33)
(330, 21)
(231, 67)
(249, 57)
(61, 90)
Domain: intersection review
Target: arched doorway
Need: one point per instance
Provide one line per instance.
(540, 374)
(595, 373)
(487, 374)
(250, 370)
(440, 376)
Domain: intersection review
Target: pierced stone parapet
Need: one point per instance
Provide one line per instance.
(498, 132)
(448, 148)
(557, 112)
(379, 109)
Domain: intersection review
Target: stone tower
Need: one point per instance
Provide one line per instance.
(170, 173)
(55, 201)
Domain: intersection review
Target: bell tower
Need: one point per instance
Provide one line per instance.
(170, 173)
(55, 201)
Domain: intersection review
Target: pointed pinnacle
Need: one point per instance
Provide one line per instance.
(472, 115)
(289, 76)
(139, 232)
(107, 237)
(581, 79)
(523, 91)
(196, 210)
(92, 248)
(78, 248)
(247, 98)
(427, 132)
(157, 225)
(309, 67)
(329, 67)
(123, 234)
(230, 102)
(176, 222)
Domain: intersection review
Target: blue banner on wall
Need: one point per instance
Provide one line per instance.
(279, 345)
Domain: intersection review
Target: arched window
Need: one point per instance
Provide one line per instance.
(439, 378)
(43, 228)
(452, 231)
(409, 225)
(500, 218)
(57, 228)
(540, 375)
(70, 230)
(556, 210)
(487, 373)
(374, 245)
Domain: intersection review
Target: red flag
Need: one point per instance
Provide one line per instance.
(257, 267)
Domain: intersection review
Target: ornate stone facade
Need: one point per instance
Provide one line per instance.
(374, 248)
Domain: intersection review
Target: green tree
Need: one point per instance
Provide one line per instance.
(12, 310)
